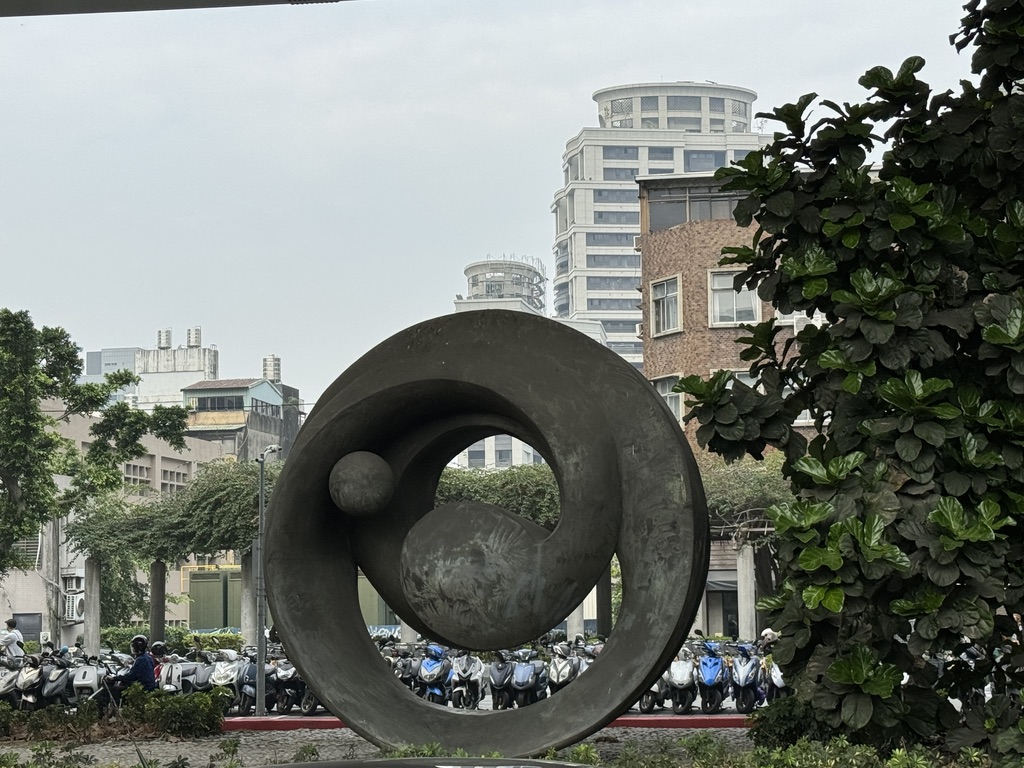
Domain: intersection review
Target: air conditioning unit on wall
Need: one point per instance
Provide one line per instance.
(636, 242)
(74, 607)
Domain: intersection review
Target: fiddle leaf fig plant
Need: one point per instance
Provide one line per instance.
(901, 546)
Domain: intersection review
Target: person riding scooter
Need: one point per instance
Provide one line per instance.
(140, 672)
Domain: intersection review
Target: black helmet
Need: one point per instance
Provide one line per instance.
(139, 643)
(159, 648)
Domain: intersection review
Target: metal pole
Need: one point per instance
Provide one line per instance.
(261, 611)
(261, 591)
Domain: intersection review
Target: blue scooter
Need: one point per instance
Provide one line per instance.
(435, 674)
(712, 677)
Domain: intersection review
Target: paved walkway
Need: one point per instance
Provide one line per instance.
(270, 747)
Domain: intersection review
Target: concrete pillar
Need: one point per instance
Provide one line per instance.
(574, 623)
(408, 633)
(699, 621)
(157, 600)
(248, 619)
(745, 593)
(91, 631)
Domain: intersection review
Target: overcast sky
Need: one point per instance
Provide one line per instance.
(308, 180)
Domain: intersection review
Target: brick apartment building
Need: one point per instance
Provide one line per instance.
(691, 321)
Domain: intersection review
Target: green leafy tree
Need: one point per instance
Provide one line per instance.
(528, 490)
(738, 494)
(105, 530)
(899, 545)
(219, 509)
(40, 368)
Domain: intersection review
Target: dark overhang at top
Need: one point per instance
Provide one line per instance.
(57, 7)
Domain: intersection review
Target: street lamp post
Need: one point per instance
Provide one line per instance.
(261, 593)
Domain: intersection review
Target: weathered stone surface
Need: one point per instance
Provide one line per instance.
(470, 575)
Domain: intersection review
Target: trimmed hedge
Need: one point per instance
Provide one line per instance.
(178, 639)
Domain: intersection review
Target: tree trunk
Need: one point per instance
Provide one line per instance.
(157, 600)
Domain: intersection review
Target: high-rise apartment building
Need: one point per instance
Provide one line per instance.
(644, 130)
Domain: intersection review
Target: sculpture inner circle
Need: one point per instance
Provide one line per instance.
(472, 575)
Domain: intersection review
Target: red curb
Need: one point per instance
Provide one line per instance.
(294, 723)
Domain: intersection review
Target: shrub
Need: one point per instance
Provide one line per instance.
(783, 722)
(178, 639)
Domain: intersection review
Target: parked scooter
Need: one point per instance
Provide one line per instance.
(227, 673)
(29, 684)
(563, 668)
(407, 669)
(435, 673)
(656, 695)
(290, 686)
(467, 680)
(87, 679)
(500, 680)
(682, 681)
(9, 668)
(746, 679)
(58, 682)
(712, 678)
(247, 694)
(187, 674)
(529, 678)
(775, 683)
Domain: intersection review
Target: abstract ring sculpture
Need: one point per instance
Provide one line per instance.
(358, 489)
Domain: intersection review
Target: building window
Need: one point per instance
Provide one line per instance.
(729, 306)
(672, 399)
(616, 217)
(619, 326)
(716, 125)
(613, 260)
(684, 103)
(739, 154)
(615, 196)
(716, 104)
(659, 154)
(622, 106)
(620, 174)
(626, 347)
(696, 160)
(648, 103)
(665, 306)
(612, 283)
(739, 108)
(229, 403)
(476, 455)
(688, 124)
(625, 122)
(738, 126)
(274, 411)
(610, 238)
(614, 305)
(656, 171)
(650, 122)
(620, 153)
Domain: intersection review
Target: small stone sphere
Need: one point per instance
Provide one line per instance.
(362, 483)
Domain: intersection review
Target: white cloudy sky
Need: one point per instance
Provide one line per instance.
(308, 180)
